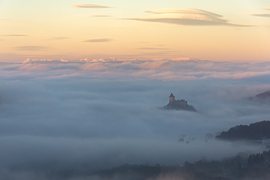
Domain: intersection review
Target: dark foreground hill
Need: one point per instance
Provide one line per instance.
(265, 96)
(254, 132)
(242, 166)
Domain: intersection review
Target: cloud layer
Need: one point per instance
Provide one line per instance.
(59, 116)
(192, 17)
(166, 69)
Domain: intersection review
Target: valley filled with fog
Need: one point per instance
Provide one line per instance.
(98, 115)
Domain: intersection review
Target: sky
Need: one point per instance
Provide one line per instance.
(234, 31)
(82, 82)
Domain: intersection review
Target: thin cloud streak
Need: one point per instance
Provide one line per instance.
(30, 48)
(146, 48)
(59, 38)
(261, 15)
(98, 40)
(16, 35)
(89, 6)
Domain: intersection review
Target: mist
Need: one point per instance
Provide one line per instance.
(56, 116)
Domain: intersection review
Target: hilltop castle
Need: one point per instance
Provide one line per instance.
(178, 104)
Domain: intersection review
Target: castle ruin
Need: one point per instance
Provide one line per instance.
(178, 104)
(181, 102)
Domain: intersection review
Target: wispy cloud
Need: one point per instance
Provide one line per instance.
(262, 14)
(30, 48)
(100, 16)
(191, 17)
(16, 35)
(98, 40)
(184, 11)
(89, 6)
(150, 48)
(58, 38)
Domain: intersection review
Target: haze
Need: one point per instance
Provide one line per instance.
(64, 115)
(83, 82)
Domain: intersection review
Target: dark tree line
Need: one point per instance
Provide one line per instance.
(254, 132)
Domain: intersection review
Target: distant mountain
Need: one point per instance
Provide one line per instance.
(265, 96)
(178, 104)
(254, 132)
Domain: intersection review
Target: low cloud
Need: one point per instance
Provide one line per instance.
(98, 40)
(30, 48)
(190, 17)
(93, 66)
(30, 67)
(161, 69)
(89, 6)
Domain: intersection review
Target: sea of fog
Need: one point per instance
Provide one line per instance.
(56, 115)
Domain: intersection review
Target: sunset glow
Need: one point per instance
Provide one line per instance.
(134, 89)
(72, 30)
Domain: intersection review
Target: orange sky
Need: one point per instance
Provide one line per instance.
(73, 30)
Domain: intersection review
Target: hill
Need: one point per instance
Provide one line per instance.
(265, 96)
(178, 104)
(254, 132)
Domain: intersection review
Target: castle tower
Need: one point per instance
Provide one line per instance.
(171, 98)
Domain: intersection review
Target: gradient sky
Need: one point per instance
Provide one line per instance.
(231, 30)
